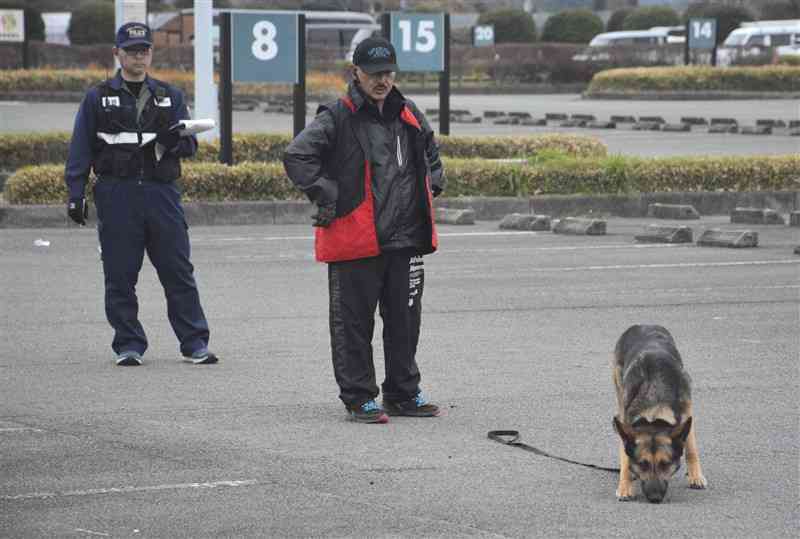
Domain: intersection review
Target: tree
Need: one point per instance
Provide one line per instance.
(728, 17)
(510, 25)
(616, 20)
(572, 26)
(91, 23)
(780, 10)
(34, 24)
(646, 17)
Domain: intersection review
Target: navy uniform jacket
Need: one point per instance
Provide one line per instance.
(115, 140)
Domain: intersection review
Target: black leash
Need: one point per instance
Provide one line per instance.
(501, 435)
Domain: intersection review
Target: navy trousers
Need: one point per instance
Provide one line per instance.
(393, 282)
(135, 217)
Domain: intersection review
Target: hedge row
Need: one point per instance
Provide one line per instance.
(551, 173)
(19, 150)
(320, 85)
(772, 78)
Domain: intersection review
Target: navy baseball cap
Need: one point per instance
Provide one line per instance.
(133, 33)
(375, 54)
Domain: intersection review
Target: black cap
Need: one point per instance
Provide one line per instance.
(133, 33)
(375, 54)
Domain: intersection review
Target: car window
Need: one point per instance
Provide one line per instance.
(755, 41)
(780, 39)
(736, 39)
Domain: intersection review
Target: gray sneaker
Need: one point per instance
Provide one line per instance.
(129, 358)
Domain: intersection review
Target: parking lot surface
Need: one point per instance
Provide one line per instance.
(518, 331)
(42, 117)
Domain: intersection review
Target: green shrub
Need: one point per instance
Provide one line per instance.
(780, 10)
(643, 18)
(92, 22)
(38, 148)
(501, 147)
(549, 172)
(320, 86)
(617, 19)
(510, 25)
(773, 78)
(34, 23)
(728, 17)
(572, 26)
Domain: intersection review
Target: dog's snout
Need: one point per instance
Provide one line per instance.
(655, 490)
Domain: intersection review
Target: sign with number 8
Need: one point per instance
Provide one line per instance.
(264, 47)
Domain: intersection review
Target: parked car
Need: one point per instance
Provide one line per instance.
(599, 49)
(758, 38)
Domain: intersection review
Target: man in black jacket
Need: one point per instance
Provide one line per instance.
(371, 165)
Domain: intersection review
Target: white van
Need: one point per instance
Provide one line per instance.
(657, 36)
(338, 31)
(753, 38)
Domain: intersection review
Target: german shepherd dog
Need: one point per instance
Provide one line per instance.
(654, 413)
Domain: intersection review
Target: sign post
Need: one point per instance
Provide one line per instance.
(422, 43)
(260, 46)
(12, 29)
(701, 34)
(483, 36)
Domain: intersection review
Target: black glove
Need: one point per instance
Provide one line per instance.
(325, 215)
(168, 138)
(78, 210)
(436, 190)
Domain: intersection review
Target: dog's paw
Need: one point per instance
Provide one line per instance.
(625, 492)
(698, 482)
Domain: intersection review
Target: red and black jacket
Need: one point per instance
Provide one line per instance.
(329, 161)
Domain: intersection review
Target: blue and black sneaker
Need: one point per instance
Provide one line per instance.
(416, 407)
(202, 357)
(129, 358)
(368, 412)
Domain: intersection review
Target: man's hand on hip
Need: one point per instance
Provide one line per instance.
(325, 215)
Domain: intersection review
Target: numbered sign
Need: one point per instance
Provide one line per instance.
(265, 47)
(483, 36)
(702, 33)
(418, 39)
(12, 25)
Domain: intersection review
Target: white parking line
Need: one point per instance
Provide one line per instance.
(90, 532)
(123, 490)
(661, 266)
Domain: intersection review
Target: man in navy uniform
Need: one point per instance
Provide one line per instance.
(123, 132)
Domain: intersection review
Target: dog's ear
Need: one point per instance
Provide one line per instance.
(681, 432)
(626, 436)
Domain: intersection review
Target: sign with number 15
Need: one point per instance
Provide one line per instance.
(418, 39)
(264, 47)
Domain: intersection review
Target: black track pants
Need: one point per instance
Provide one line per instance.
(394, 282)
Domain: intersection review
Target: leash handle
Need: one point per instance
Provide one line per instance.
(514, 435)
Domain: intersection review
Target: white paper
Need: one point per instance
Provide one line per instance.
(193, 127)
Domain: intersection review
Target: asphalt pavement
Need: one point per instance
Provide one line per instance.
(518, 331)
(18, 116)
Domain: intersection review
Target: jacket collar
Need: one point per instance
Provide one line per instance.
(117, 82)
